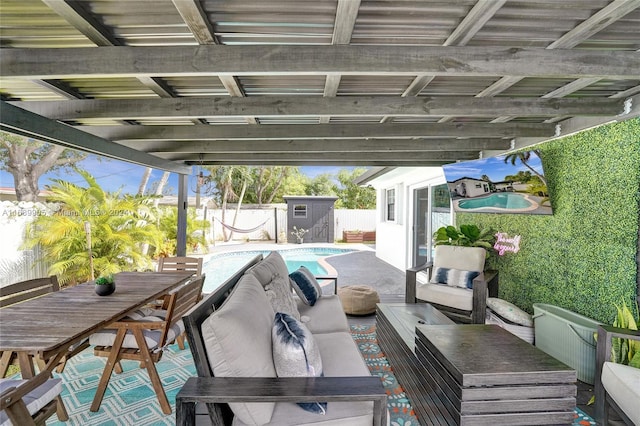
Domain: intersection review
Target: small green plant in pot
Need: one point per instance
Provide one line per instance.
(466, 235)
(105, 285)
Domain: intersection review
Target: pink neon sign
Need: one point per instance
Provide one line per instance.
(504, 243)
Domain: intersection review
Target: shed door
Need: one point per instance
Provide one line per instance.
(320, 230)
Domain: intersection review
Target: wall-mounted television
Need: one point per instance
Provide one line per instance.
(512, 183)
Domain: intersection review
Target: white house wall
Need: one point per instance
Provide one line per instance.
(393, 239)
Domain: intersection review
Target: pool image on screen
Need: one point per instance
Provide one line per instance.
(513, 183)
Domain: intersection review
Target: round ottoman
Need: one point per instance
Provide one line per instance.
(358, 299)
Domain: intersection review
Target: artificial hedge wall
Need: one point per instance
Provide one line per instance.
(583, 257)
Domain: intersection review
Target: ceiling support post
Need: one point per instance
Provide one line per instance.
(183, 204)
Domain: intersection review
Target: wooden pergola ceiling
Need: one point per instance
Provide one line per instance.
(171, 83)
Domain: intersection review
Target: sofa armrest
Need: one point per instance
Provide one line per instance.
(411, 280)
(210, 390)
(603, 354)
(329, 278)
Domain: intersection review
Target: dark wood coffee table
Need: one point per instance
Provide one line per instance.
(396, 328)
(484, 375)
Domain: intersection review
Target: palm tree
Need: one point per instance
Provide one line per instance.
(524, 157)
(118, 226)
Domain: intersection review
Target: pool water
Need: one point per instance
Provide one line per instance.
(221, 266)
(502, 201)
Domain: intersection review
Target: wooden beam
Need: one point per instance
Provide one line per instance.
(570, 88)
(80, 19)
(473, 22)
(345, 106)
(317, 60)
(196, 19)
(323, 145)
(320, 131)
(261, 157)
(61, 88)
(22, 122)
(346, 14)
(600, 20)
(279, 161)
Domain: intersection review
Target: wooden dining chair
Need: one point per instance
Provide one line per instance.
(27, 290)
(30, 402)
(144, 340)
(173, 264)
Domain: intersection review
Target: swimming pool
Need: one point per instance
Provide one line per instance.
(508, 201)
(221, 266)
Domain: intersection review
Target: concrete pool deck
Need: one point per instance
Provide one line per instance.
(358, 267)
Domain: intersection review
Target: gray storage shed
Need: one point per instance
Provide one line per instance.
(314, 214)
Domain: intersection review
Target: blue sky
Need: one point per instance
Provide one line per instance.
(494, 167)
(113, 175)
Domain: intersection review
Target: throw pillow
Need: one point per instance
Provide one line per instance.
(281, 297)
(509, 311)
(306, 285)
(295, 354)
(454, 277)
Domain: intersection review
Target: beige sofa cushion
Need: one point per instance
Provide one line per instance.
(325, 316)
(340, 358)
(273, 275)
(622, 382)
(238, 342)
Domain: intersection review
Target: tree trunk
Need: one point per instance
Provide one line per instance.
(25, 173)
(163, 181)
(144, 180)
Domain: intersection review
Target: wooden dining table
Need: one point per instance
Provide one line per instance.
(40, 331)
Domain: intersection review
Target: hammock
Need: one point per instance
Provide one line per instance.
(239, 230)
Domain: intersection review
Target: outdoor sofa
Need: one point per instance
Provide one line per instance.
(234, 335)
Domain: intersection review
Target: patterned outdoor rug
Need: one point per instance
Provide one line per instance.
(400, 409)
(130, 399)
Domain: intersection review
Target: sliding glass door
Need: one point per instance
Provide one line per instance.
(431, 210)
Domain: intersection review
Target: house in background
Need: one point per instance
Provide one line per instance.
(469, 187)
(412, 202)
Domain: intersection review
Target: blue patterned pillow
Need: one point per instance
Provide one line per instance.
(454, 277)
(295, 354)
(306, 285)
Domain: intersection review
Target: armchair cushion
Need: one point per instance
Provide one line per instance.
(622, 383)
(305, 285)
(454, 277)
(107, 337)
(34, 400)
(237, 340)
(455, 297)
(295, 354)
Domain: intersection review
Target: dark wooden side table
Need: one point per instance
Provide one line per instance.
(484, 375)
(396, 330)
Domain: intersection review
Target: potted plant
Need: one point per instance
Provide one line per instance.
(105, 285)
(299, 234)
(466, 235)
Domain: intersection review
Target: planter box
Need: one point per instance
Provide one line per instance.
(358, 236)
(567, 336)
(353, 236)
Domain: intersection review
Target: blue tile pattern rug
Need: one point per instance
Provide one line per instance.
(130, 399)
(400, 409)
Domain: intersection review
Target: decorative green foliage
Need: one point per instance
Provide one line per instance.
(583, 257)
(626, 351)
(467, 235)
(104, 280)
